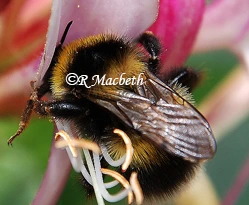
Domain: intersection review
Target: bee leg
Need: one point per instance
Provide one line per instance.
(59, 109)
(185, 76)
(36, 94)
(24, 120)
(153, 47)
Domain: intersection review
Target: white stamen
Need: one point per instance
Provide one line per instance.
(74, 147)
(111, 198)
(86, 174)
(76, 162)
(109, 160)
(122, 181)
(95, 184)
(111, 184)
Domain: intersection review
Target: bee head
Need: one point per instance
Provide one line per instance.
(83, 61)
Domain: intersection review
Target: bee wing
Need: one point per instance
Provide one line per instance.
(165, 118)
(179, 130)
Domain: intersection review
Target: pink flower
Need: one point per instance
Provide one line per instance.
(181, 25)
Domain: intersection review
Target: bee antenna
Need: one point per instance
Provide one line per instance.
(65, 33)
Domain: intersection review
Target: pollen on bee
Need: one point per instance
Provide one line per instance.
(184, 93)
(177, 99)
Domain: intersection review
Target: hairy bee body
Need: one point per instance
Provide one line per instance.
(160, 173)
(169, 136)
(106, 55)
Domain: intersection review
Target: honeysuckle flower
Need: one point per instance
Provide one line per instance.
(178, 47)
(177, 25)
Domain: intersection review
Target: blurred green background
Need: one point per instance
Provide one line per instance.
(22, 166)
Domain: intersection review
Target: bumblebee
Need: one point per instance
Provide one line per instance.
(170, 137)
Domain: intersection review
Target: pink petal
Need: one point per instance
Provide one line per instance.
(225, 25)
(177, 26)
(55, 177)
(90, 17)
